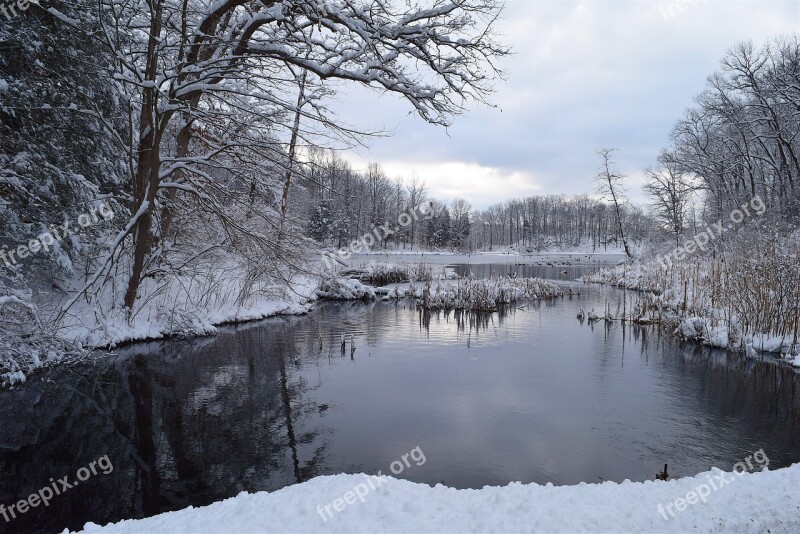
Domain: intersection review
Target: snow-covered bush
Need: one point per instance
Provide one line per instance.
(337, 288)
(479, 294)
(61, 127)
(26, 340)
(382, 273)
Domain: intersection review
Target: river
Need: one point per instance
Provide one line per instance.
(527, 394)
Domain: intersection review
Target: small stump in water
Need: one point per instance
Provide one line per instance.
(663, 475)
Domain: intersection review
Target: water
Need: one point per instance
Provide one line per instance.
(529, 394)
(549, 270)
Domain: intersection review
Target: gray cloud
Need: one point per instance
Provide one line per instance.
(583, 75)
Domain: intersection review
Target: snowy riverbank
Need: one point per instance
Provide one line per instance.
(196, 305)
(190, 307)
(752, 502)
(746, 304)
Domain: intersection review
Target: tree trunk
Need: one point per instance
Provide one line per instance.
(292, 149)
(619, 223)
(145, 186)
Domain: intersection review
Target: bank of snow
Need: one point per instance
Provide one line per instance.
(752, 502)
(33, 336)
(188, 308)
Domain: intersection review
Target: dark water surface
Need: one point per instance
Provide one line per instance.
(548, 270)
(530, 394)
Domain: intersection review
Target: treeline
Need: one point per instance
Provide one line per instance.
(738, 145)
(342, 204)
(337, 204)
(563, 221)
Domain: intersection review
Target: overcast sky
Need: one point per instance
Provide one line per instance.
(583, 75)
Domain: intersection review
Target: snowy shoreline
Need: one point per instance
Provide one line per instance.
(692, 313)
(305, 290)
(751, 502)
(297, 300)
(83, 333)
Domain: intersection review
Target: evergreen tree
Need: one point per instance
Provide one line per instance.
(61, 127)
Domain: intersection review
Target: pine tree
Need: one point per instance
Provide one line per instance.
(60, 127)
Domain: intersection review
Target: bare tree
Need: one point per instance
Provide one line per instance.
(671, 191)
(292, 152)
(416, 195)
(610, 187)
(741, 138)
(212, 88)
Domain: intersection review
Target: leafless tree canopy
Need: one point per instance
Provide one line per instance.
(214, 90)
(741, 137)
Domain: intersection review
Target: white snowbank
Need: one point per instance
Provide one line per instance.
(188, 308)
(752, 502)
(336, 288)
(31, 339)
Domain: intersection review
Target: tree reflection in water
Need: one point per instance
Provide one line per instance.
(273, 403)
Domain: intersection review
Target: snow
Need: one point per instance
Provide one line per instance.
(15, 300)
(335, 288)
(62, 17)
(17, 377)
(178, 312)
(750, 502)
(189, 307)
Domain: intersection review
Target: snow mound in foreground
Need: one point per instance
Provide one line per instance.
(752, 502)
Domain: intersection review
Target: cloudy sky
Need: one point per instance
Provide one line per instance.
(583, 75)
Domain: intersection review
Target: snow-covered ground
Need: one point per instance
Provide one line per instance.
(185, 306)
(767, 501)
(189, 313)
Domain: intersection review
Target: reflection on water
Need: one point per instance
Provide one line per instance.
(526, 394)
